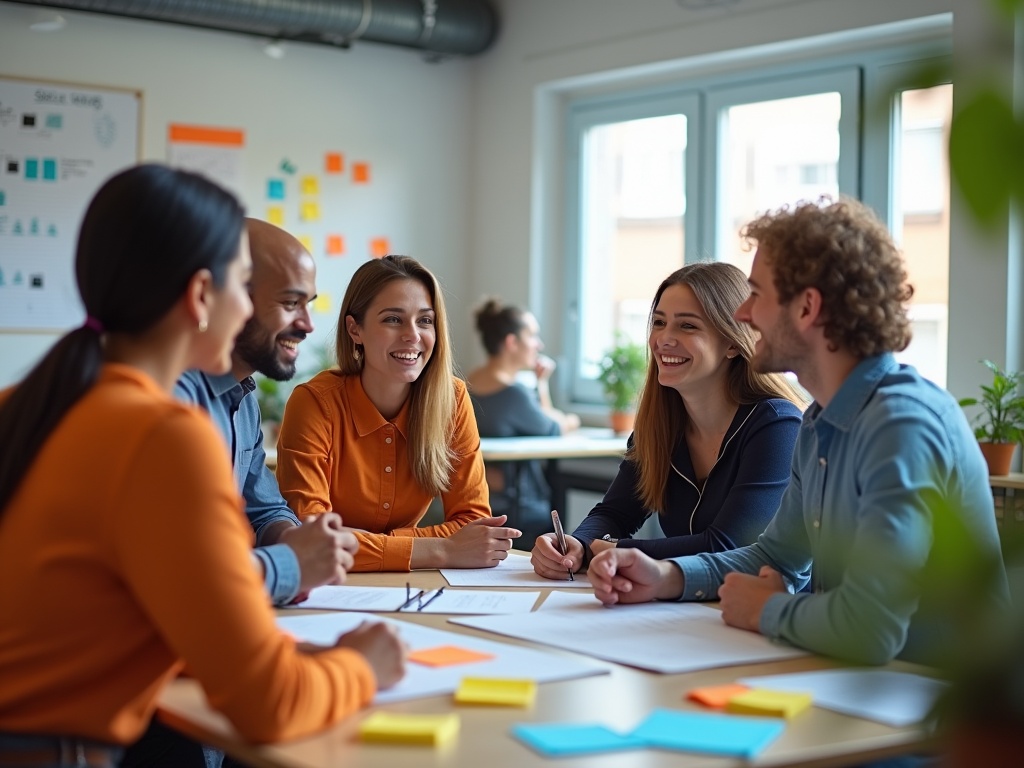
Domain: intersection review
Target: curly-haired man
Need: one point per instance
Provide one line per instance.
(881, 456)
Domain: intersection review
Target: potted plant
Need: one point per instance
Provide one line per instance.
(271, 400)
(998, 426)
(621, 372)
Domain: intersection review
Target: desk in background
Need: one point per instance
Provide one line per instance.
(818, 738)
(582, 445)
(1008, 497)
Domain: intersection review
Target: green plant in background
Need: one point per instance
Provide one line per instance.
(1002, 416)
(270, 398)
(272, 395)
(622, 372)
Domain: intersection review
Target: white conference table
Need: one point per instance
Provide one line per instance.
(817, 738)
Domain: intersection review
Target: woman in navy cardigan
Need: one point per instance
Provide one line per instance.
(713, 441)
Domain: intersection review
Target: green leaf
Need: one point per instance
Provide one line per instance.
(966, 401)
(1008, 7)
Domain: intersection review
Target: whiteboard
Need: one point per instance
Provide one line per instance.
(58, 144)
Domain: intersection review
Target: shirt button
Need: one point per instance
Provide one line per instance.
(699, 593)
(817, 524)
(822, 461)
(387, 469)
(387, 505)
(387, 440)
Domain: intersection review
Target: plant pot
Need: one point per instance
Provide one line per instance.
(998, 457)
(622, 421)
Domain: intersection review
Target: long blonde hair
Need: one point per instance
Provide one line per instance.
(661, 417)
(432, 398)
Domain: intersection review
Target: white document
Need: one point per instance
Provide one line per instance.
(661, 637)
(898, 699)
(513, 571)
(510, 661)
(388, 599)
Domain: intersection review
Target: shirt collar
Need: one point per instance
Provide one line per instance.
(220, 385)
(365, 416)
(858, 388)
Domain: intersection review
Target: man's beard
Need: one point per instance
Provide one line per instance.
(780, 353)
(257, 348)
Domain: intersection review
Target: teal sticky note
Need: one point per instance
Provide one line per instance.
(49, 169)
(573, 738)
(55, 122)
(718, 734)
(275, 189)
(3, 198)
(31, 168)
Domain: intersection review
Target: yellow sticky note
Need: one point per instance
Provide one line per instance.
(310, 211)
(447, 656)
(275, 215)
(307, 242)
(508, 693)
(310, 185)
(760, 701)
(322, 303)
(387, 728)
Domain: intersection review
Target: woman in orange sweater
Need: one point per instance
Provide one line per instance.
(377, 439)
(124, 553)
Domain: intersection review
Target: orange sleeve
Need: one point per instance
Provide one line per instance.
(181, 541)
(467, 497)
(383, 551)
(304, 452)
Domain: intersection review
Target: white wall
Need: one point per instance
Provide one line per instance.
(410, 119)
(552, 49)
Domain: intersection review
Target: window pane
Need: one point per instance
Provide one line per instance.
(920, 183)
(633, 201)
(774, 153)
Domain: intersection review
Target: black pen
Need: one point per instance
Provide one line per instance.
(432, 599)
(560, 537)
(417, 596)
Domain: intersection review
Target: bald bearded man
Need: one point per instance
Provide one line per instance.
(294, 558)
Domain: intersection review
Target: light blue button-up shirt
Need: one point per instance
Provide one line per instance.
(870, 471)
(237, 416)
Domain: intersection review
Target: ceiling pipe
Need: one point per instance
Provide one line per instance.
(440, 28)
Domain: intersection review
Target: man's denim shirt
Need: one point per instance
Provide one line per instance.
(890, 451)
(237, 416)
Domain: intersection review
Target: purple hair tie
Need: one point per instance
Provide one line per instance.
(94, 324)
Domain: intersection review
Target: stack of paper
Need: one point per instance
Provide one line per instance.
(389, 599)
(662, 637)
(504, 661)
(515, 571)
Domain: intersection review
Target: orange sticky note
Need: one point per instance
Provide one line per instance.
(361, 173)
(380, 247)
(334, 162)
(335, 245)
(717, 695)
(447, 656)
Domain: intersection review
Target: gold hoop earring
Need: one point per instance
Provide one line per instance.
(203, 325)
(357, 354)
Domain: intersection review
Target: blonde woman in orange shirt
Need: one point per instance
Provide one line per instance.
(124, 553)
(392, 428)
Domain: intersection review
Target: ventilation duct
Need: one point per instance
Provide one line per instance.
(438, 27)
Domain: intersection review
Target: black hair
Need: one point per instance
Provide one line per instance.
(495, 322)
(146, 233)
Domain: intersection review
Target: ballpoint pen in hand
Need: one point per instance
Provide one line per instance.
(560, 537)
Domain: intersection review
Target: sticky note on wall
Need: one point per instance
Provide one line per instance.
(310, 211)
(275, 189)
(361, 173)
(431, 730)
(310, 185)
(275, 215)
(334, 162)
(307, 242)
(335, 245)
(380, 247)
(322, 303)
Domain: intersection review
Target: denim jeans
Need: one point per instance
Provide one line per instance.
(63, 751)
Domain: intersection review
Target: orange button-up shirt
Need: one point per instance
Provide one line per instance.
(336, 452)
(124, 555)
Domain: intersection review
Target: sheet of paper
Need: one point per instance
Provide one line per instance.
(514, 571)
(387, 599)
(509, 660)
(662, 637)
(717, 734)
(563, 739)
(898, 699)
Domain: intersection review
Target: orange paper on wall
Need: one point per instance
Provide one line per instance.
(334, 162)
(447, 656)
(361, 173)
(335, 245)
(380, 247)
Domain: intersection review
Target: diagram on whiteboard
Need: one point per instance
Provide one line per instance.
(58, 144)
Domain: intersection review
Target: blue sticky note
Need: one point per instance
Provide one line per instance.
(573, 738)
(49, 169)
(31, 168)
(55, 122)
(275, 189)
(718, 734)
(3, 197)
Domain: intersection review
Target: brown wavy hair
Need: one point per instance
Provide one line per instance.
(841, 249)
(661, 417)
(432, 398)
